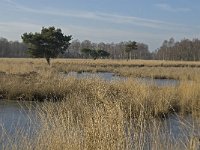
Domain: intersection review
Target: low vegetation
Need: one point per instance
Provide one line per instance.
(34, 80)
(96, 114)
(77, 123)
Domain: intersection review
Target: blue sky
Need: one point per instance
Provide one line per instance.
(147, 21)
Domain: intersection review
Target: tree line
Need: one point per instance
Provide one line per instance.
(12, 48)
(187, 50)
(76, 50)
(51, 43)
(115, 50)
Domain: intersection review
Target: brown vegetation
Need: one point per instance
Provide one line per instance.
(95, 114)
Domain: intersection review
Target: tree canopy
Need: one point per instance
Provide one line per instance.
(47, 44)
(186, 49)
(86, 52)
(130, 46)
(94, 53)
(103, 54)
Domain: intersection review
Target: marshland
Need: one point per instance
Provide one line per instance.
(52, 110)
(99, 75)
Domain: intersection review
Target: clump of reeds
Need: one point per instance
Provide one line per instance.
(181, 70)
(95, 114)
(156, 101)
(77, 124)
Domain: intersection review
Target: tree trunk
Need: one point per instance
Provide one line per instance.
(128, 56)
(48, 61)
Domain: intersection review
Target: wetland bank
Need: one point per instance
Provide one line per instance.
(91, 113)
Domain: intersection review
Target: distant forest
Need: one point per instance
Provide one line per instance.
(12, 49)
(185, 49)
(188, 50)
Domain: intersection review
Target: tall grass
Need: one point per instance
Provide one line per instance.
(95, 114)
(76, 124)
(136, 68)
(154, 100)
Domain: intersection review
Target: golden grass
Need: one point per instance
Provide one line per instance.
(71, 126)
(95, 114)
(26, 79)
(135, 68)
(155, 100)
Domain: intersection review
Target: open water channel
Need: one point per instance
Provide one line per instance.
(108, 76)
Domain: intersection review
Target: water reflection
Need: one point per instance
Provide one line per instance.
(181, 127)
(17, 115)
(21, 116)
(108, 76)
(159, 82)
(103, 75)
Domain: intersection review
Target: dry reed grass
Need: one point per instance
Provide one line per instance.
(95, 114)
(136, 68)
(75, 124)
(41, 82)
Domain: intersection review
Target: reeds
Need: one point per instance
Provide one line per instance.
(136, 68)
(47, 83)
(96, 114)
(71, 126)
(154, 100)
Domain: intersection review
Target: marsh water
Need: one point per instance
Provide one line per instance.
(17, 117)
(108, 76)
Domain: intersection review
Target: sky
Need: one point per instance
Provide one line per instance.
(146, 21)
